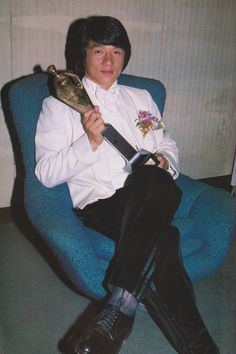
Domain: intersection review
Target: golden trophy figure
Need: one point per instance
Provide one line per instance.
(70, 90)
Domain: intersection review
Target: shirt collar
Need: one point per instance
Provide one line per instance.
(98, 91)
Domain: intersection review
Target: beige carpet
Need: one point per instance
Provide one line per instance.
(37, 308)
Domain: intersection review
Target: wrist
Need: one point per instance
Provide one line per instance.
(95, 142)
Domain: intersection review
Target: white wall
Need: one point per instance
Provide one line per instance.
(188, 44)
(7, 168)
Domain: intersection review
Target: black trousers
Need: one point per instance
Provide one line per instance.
(136, 218)
(148, 260)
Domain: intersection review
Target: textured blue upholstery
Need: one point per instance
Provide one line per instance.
(205, 217)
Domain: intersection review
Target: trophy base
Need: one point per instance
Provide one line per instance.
(142, 157)
(133, 158)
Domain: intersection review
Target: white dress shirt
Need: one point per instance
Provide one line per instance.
(64, 154)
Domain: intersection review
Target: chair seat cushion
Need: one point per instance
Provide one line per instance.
(184, 225)
(191, 189)
(103, 246)
(190, 246)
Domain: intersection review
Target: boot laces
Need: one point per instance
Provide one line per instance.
(108, 317)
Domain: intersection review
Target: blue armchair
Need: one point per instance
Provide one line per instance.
(205, 216)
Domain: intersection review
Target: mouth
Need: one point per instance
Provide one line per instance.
(107, 72)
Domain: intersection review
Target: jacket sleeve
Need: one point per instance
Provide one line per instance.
(166, 145)
(168, 148)
(62, 147)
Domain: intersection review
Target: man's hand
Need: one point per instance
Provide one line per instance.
(93, 125)
(164, 163)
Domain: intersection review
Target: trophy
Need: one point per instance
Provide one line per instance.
(69, 89)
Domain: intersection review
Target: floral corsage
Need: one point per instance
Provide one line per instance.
(146, 121)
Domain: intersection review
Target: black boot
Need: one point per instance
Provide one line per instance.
(106, 333)
(170, 302)
(111, 327)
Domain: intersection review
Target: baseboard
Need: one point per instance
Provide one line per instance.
(222, 182)
(5, 215)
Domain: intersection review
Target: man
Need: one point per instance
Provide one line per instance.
(134, 210)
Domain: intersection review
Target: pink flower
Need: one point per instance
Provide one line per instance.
(146, 121)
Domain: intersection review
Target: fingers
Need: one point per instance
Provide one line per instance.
(163, 162)
(93, 125)
(92, 119)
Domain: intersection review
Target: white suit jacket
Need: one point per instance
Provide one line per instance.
(64, 154)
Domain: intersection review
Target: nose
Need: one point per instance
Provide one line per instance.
(108, 59)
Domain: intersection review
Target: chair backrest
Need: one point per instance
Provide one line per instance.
(26, 96)
(153, 86)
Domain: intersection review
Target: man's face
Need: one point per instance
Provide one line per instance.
(103, 63)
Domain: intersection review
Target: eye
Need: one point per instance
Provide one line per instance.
(98, 51)
(118, 51)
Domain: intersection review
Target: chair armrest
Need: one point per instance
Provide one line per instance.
(214, 213)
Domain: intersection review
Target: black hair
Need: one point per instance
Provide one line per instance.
(103, 30)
